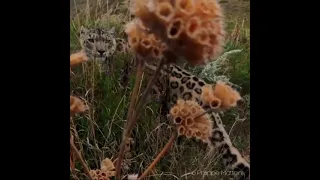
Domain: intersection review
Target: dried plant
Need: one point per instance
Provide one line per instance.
(220, 96)
(106, 171)
(192, 29)
(228, 96)
(187, 117)
(78, 58)
(144, 43)
(77, 106)
(192, 121)
(165, 31)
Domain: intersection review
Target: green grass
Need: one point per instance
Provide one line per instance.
(99, 131)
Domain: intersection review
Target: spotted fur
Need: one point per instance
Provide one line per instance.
(183, 85)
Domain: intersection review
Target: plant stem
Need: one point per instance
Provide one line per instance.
(144, 97)
(133, 116)
(78, 154)
(133, 100)
(160, 155)
(135, 92)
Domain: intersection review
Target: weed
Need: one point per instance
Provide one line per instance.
(98, 132)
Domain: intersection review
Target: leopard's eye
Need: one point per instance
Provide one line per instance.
(91, 40)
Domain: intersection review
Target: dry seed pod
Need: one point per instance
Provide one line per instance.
(134, 42)
(213, 8)
(202, 36)
(184, 7)
(141, 8)
(202, 7)
(163, 47)
(98, 172)
(205, 129)
(175, 28)
(93, 173)
(207, 89)
(174, 111)
(208, 97)
(193, 110)
(156, 52)
(189, 121)
(103, 174)
(112, 173)
(178, 120)
(181, 130)
(161, 1)
(76, 105)
(184, 112)
(192, 27)
(77, 58)
(142, 42)
(198, 134)
(108, 164)
(189, 126)
(184, 123)
(104, 169)
(226, 94)
(145, 46)
(215, 103)
(205, 98)
(208, 8)
(164, 11)
(189, 133)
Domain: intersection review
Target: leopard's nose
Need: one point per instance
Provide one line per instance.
(101, 52)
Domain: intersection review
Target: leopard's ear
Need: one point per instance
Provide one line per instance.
(83, 30)
(112, 30)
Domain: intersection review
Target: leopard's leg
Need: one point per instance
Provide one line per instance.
(231, 157)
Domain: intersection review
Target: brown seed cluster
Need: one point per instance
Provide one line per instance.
(187, 116)
(221, 96)
(229, 97)
(208, 97)
(192, 29)
(142, 42)
(106, 171)
(77, 58)
(77, 105)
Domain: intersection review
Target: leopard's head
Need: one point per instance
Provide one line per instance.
(98, 43)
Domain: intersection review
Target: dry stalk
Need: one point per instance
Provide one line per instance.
(165, 149)
(134, 116)
(206, 112)
(135, 92)
(78, 154)
(134, 96)
(72, 158)
(143, 100)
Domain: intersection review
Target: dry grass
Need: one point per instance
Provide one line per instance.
(98, 132)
